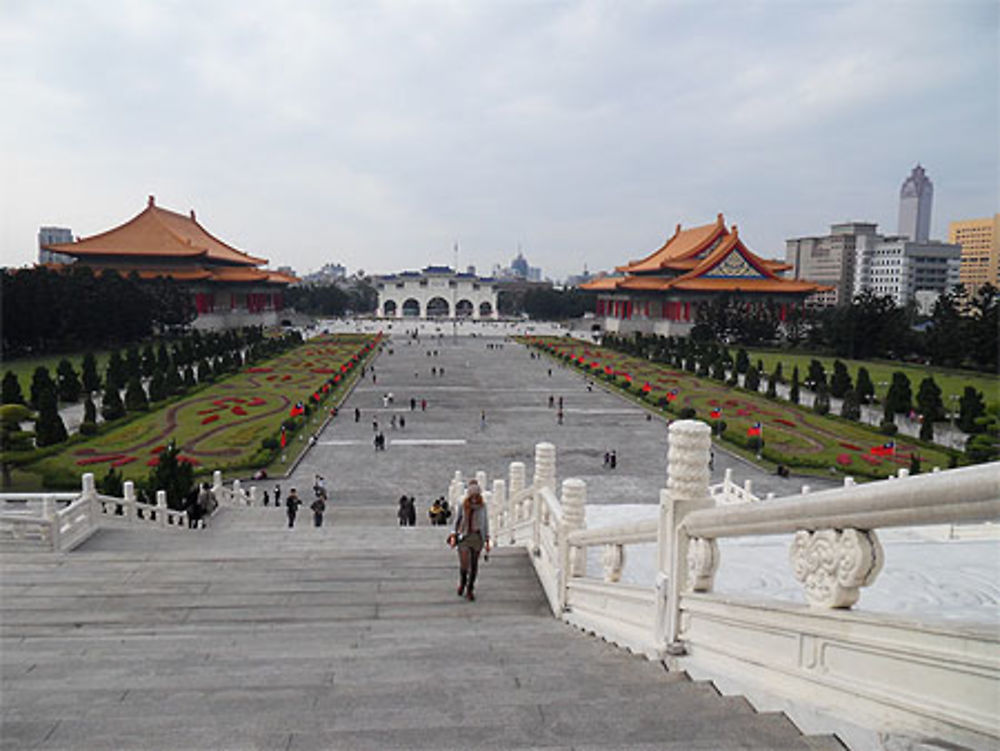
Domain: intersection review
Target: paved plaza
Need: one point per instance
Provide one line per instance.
(497, 377)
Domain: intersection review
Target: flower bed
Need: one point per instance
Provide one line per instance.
(850, 446)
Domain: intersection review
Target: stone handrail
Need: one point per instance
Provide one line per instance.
(780, 655)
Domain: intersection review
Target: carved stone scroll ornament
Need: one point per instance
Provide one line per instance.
(702, 563)
(832, 565)
(613, 561)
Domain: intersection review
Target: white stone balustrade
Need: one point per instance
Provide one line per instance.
(865, 677)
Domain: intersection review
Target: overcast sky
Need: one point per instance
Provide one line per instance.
(378, 134)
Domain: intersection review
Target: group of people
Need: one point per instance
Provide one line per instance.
(610, 459)
(292, 503)
(439, 512)
(201, 503)
(407, 513)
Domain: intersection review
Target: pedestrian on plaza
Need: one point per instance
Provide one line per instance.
(392, 422)
(375, 424)
(552, 401)
(292, 504)
(559, 416)
(607, 459)
(482, 419)
(471, 535)
(411, 512)
(560, 403)
(423, 405)
(402, 423)
(267, 499)
(193, 509)
(441, 372)
(413, 404)
(434, 371)
(277, 496)
(318, 507)
(436, 513)
(614, 459)
(357, 414)
(403, 514)
(550, 372)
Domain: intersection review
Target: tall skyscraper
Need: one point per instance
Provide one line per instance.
(915, 199)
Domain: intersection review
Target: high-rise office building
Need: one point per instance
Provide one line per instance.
(53, 236)
(915, 200)
(980, 241)
(828, 260)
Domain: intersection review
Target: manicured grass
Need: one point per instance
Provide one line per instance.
(24, 367)
(792, 435)
(951, 382)
(222, 426)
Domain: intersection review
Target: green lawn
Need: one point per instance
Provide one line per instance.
(223, 426)
(792, 435)
(951, 382)
(24, 367)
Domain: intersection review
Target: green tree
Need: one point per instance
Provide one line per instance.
(821, 402)
(793, 390)
(174, 383)
(12, 389)
(16, 445)
(929, 401)
(112, 483)
(111, 404)
(158, 387)
(970, 408)
(91, 379)
(927, 429)
(900, 396)
(850, 408)
(49, 426)
(41, 381)
(114, 374)
(173, 476)
(742, 361)
(865, 388)
(133, 362)
(751, 381)
(69, 382)
(817, 375)
(148, 361)
(840, 382)
(135, 396)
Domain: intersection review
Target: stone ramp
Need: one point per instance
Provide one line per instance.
(252, 636)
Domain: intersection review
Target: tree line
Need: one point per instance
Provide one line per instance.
(961, 331)
(44, 310)
(710, 359)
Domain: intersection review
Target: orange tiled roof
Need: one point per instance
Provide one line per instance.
(157, 232)
(707, 259)
(683, 245)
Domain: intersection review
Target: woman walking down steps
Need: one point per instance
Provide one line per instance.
(472, 533)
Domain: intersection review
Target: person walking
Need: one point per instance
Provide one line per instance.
(614, 459)
(471, 535)
(292, 504)
(277, 496)
(357, 414)
(318, 507)
(403, 514)
(411, 512)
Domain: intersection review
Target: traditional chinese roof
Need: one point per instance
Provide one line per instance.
(709, 258)
(158, 233)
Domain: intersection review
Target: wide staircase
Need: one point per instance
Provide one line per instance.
(249, 635)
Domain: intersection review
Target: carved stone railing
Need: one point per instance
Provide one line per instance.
(831, 668)
(62, 521)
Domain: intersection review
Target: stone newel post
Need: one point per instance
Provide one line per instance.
(498, 505)
(545, 477)
(456, 488)
(128, 495)
(516, 486)
(574, 513)
(683, 564)
(161, 507)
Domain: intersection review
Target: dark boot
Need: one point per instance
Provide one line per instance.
(461, 585)
(472, 581)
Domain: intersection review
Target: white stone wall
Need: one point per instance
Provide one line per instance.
(427, 294)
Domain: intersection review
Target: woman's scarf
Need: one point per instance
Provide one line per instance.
(473, 502)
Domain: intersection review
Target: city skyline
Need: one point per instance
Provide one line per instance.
(378, 136)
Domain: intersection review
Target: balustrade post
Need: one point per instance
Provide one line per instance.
(89, 491)
(237, 496)
(545, 477)
(481, 480)
(218, 490)
(498, 506)
(254, 496)
(572, 561)
(684, 564)
(128, 500)
(161, 507)
(455, 489)
(51, 515)
(516, 486)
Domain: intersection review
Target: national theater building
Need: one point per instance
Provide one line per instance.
(661, 293)
(227, 286)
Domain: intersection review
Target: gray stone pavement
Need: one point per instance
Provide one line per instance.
(249, 635)
(513, 391)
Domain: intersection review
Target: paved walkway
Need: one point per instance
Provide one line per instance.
(250, 635)
(513, 390)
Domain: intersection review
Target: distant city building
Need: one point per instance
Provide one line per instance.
(331, 273)
(828, 260)
(980, 242)
(436, 292)
(519, 269)
(661, 293)
(53, 236)
(575, 280)
(226, 285)
(906, 270)
(915, 200)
